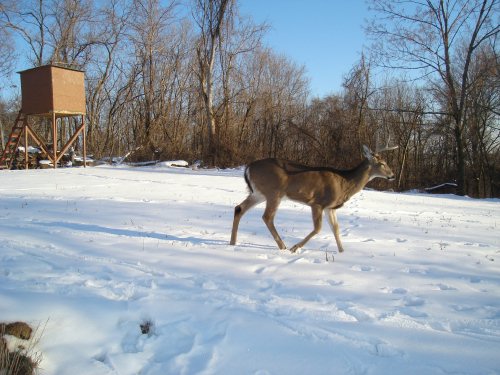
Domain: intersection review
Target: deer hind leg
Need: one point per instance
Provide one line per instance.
(317, 214)
(332, 216)
(252, 200)
(268, 217)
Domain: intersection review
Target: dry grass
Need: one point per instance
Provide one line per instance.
(19, 356)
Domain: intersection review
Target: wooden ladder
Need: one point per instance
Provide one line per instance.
(9, 152)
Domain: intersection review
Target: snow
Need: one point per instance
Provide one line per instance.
(173, 163)
(90, 254)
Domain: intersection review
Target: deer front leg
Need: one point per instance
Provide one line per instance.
(317, 214)
(334, 224)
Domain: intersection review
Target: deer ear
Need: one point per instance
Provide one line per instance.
(367, 152)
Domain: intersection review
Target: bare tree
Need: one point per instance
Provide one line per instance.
(483, 114)
(210, 17)
(358, 89)
(7, 51)
(149, 37)
(282, 98)
(71, 31)
(103, 73)
(239, 40)
(53, 30)
(29, 19)
(440, 39)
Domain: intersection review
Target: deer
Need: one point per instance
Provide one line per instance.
(321, 188)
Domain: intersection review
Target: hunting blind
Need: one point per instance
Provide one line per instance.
(54, 92)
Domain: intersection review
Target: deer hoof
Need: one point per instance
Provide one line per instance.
(282, 246)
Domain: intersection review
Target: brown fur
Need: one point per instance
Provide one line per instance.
(321, 188)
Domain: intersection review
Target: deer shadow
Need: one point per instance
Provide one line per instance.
(93, 228)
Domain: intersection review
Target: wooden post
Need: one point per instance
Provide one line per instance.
(84, 144)
(2, 139)
(70, 142)
(54, 140)
(37, 139)
(25, 145)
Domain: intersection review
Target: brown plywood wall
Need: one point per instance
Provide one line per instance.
(52, 89)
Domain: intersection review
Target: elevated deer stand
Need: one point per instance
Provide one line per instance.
(52, 92)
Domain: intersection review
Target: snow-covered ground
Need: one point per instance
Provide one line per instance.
(91, 254)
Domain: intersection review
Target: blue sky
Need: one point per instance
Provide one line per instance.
(326, 36)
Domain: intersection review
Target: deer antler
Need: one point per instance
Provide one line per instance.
(386, 148)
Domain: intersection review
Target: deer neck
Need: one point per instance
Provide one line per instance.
(357, 178)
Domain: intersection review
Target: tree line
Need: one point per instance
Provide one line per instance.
(193, 80)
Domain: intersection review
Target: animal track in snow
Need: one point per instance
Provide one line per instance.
(335, 282)
(362, 268)
(359, 314)
(399, 291)
(441, 286)
(413, 301)
(411, 270)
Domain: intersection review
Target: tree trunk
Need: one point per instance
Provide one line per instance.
(461, 178)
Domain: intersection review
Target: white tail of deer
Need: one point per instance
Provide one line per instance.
(321, 188)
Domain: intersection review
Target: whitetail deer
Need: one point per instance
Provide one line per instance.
(321, 188)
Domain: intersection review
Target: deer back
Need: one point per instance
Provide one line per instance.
(324, 186)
